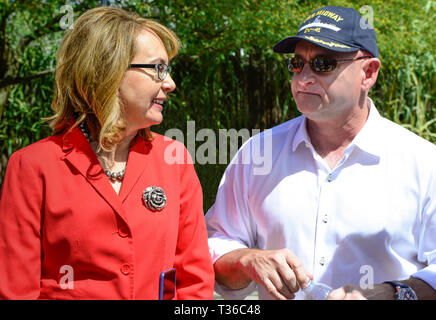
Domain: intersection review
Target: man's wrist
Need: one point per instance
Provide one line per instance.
(422, 289)
(382, 291)
(402, 291)
(228, 272)
(386, 291)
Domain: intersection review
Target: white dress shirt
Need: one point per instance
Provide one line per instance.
(370, 219)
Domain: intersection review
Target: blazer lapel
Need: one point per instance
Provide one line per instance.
(138, 161)
(80, 155)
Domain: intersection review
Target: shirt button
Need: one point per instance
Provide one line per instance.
(324, 219)
(125, 269)
(330, 177)
(123, 232)
(322, 261)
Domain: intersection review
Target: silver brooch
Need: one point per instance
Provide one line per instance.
(154, 198)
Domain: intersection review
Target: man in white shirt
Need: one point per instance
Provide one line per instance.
(349, 199)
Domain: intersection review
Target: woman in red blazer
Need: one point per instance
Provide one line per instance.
(99, 209)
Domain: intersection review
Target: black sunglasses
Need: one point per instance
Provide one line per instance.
(321, 64)
(161, 69)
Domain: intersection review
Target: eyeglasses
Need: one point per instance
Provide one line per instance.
(161, 69)
(320, 64)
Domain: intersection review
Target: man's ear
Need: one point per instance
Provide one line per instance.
(370, 69)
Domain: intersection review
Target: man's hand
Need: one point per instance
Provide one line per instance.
(280, 272)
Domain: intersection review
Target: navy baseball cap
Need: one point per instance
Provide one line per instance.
(334, 28)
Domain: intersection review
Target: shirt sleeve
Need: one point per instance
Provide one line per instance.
(195, 275)
(229, 221)
(20, 230)
(427, 237)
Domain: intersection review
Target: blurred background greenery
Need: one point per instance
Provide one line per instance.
(227, 75)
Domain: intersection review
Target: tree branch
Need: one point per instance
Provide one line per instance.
(3, 42)
(8, 81)
(52, 25)
(39, 32)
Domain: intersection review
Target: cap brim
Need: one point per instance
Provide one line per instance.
(287, 45)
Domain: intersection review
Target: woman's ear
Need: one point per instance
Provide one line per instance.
(370, 69)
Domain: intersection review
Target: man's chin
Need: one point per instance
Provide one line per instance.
(309, 108)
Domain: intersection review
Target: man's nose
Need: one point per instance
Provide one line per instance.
(305, 76)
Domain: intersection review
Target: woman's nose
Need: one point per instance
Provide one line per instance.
(169, 84)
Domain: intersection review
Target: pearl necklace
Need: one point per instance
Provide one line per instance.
(114, 176)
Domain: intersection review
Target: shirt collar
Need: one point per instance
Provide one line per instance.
(301, 135)
(367, 139)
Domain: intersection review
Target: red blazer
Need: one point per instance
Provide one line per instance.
(61, 219)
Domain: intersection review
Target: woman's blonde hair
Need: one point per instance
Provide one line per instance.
(91, 63)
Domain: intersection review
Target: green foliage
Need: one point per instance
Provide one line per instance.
(227, 75)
